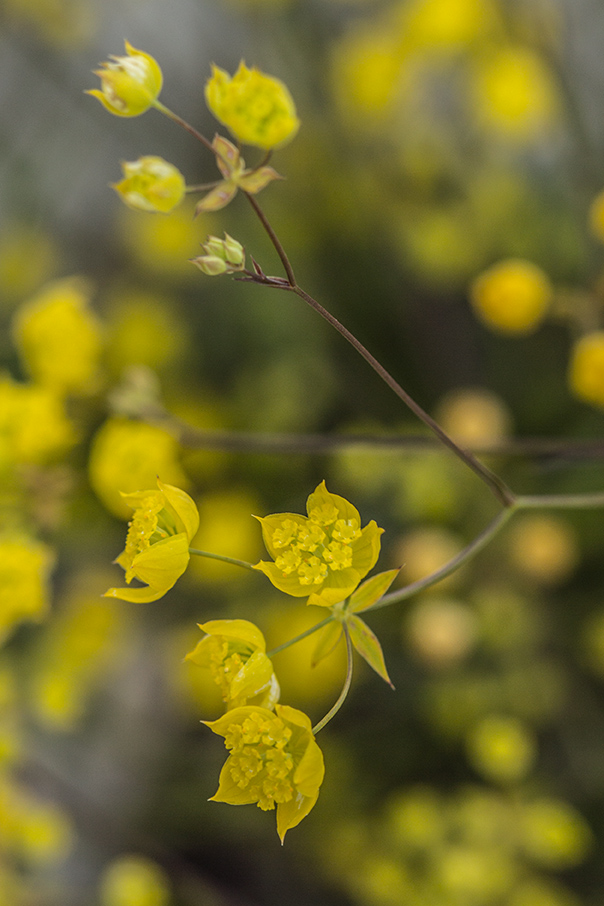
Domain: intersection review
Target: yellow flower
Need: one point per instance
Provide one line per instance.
(157, 543)
(25, 567)
(586, 371)
(33, 425)
(235, 652)
(129, 85)
(59, 337)
(256, 108)
(151, 184)
(274, 761)
(512, 297)
(324, 555)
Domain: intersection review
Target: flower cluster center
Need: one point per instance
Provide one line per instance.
(225, 664)
(141, 529)
(259, 762)
(318, 545)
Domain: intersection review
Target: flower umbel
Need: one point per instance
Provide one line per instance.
(324, 555)
(151, 184)
(130, 84)
(273, 761)
(235, 653)
(157, 543)
(256, 108)
(232, 166)
(221, 256)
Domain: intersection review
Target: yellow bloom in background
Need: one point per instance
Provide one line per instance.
(586, 369)
(59, 337)
(235, 653)
(127, 455)
(554, 834)
(256, 108)
(33, 425)
(225, 527)
(596, 216)
(514, 92)
(28, 257)
(273, 761)
(134, 880)
(512, 297)
(144, 329)
(25, 566)
(151, 184)
(162, 245)
(324, 555)
(447, 24)
(544, 548)
(157, 543)
(501, 749)
(366, 72)
(129, 85)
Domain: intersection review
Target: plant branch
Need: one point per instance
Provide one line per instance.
(303, 635)
(231, 560)
(342, 697)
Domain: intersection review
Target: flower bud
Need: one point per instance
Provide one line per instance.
(151, 184)
(129, 85)
(235, 255)
(211, 265)
(222, 256)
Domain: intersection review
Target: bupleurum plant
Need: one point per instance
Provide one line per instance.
(326, 555)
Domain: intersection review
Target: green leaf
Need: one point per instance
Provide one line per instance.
(366, 643)
(372, 590)
(329, 637)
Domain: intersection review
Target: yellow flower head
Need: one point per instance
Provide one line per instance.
(25, 567)
(34, 427)
(273, 761)
(157, 543)
(256, 108)
(151, 184)
(512, 297)
(129, 85)
(586, 371)
(235, 652)
(59, 337)
(325, 554)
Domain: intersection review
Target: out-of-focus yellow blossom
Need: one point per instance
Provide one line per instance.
(501, 749)
(554, 834)
(225, 527)
(157, 543)
(27, 258)
(33, 425)
(442, 631)
(221, 256)
(151, 184)
(323, 556)
(366, 72)
(596, 216)
(134, 880)
(439, 25)
(256, 108)
(62, 24)
(162, 245)
(586, 369)
(59, 337)
(235, 653)
(474, 416)
(130, 85)
(37, 833)
(25, 566)
(127, 455)
(514, 92)
(235, 176)
(544, 548)
(273, 761)
(144, 329)
(425, 550)
(512, 297)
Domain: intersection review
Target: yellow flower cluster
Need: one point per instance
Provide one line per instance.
(586, 370)
(151, 184)
(25, 566)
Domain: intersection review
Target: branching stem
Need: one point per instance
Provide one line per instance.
(342, 697)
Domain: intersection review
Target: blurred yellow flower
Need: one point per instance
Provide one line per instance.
(544, 547)
(596, 216)
(273, 761)
(129, 85)
(501, 749)
(25, 566)
(162, 245)
(127, 455)
(225, 527)
(134, 880)
(33, 425)
(256, 108)
(235, 653)
(59, 337)
(586, 369)
(447, 24)
(554, 834)
(512, 297)
(324, 555)
(151, 184)
(28, 257)
(157, 543)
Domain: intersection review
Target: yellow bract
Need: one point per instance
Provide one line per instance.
(256, 108)
(129, 85)
(157, 543)
(151, 184)
(235, 653)
(512, 297)
(25, 566)
(586, 371)
(324, 555)
(273, 761)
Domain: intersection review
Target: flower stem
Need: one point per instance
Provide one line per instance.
(589, 500)
(274, 239)
(179, 120)
(210, 556)
(298, 638)
(342, 697)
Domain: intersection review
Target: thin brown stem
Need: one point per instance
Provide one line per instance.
(274, 239)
